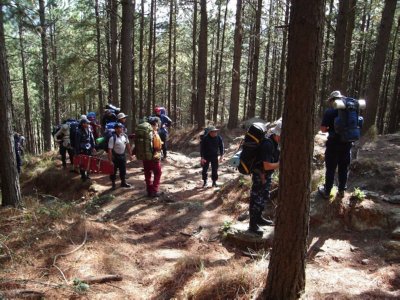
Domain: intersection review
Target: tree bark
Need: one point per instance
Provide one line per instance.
(237, 55)
(394, 111)
(126, 58)
(378, 63)
(10, 189)
(216, 68)
(53, 41)
(46, 121)
(271, 101)
(282, 68)
(286, 276)
(113, 52)
(141, 41)
(169, 67)
(202, 66)
(193, 106)
(150, 61)
(351, 16)
(339, 47)
(28, 123)
(98, 47)
(174, 82)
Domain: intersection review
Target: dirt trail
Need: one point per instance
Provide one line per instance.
(171, 246)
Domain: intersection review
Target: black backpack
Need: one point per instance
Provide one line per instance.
(255, 135)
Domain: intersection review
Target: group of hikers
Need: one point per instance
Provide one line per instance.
(258, 157)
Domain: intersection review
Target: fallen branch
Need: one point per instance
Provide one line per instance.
(26, 294)
(68, 253)
(101, 279)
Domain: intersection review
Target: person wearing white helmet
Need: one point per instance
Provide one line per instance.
(267, 162)
(337, 153)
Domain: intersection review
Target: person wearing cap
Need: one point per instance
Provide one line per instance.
(211, 147)
(117, 146)
(85, 143)
(62, 137)
(91, 116)
(268, 162)
(163, 130)
(337, 153)
(121, 118)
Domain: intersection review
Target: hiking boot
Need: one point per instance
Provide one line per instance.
(214, 184)
(340, 194)
(254, 228)
(264, 222)
(324, 194)
(113, 187)
(205, 183)
(125, 185)
(156, 194)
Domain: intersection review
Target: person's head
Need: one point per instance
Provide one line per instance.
(119, 128)
(334, 96)
(154, 122)
(91, 116)
(84, 123)
(276, 131)
(65, 127)
(122, 117)
(157, 110)
(213, 131)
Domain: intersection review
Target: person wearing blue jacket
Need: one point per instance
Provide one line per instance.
(163, 131)
(211, 146)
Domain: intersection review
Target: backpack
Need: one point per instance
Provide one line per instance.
(253, 138)
(113, 108)
(348, 123)
(204, 134)
(144, 141)
(73, 129)
(108, 133)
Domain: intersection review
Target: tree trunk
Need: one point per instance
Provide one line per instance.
(174, 82)
(251, 111)
(169, 70)
(134, 108)
(193, 106)
(210, 97)
(153, 60)
(339, 47)
(216, 68)
(141, 41)
(394, 111)
(53, 41)
(10, 190)
(282, 64)
(271, 101)
(237, 55)
(249, 74)
(202, 66)
(378, 63)
(286, 276)
(126, 59)
(28, 123)
(113, 51)
(99, 70)
(108, 43)
(351, 16)
(150, 60)
(46, 120)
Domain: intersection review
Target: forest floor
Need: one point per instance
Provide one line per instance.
(173, 246)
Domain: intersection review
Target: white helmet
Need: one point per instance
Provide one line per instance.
(335, 95)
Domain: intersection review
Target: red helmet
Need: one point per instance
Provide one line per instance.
(157, 109)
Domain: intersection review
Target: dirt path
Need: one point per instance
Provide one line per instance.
(171, 246)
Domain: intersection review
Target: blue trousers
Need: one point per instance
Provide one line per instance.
(337, 155)
(259, 194)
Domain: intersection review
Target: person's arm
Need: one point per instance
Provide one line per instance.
(109, 154)
(221, 147)
(202, 150)
(270, 166)
(110, 148)
(129, 148)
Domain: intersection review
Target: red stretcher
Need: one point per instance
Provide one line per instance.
(93, 164)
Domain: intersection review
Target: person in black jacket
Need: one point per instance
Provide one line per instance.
(211, 147)
(84, 143)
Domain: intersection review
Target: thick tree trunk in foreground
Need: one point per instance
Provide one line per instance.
(10, 190)
(194, 109)
(237, 55)
(113, 51)
(98, 46)
(286, 276)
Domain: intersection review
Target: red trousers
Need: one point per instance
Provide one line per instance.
(152, 167)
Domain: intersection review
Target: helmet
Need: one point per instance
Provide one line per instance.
(334, 95)
(157, 109)
(91, 115)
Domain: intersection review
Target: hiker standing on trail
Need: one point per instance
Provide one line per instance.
(211, 146)
(163, 131)
(268, 158)
(84, 143)
(62, 137)
(117, 146)
(337, 153)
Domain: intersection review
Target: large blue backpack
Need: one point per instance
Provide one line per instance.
(73, 129)
(348, 123)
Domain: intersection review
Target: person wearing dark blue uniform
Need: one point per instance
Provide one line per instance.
(84, 143)
(268, 158)
(211, 147)
(337, 153)
(163, 131)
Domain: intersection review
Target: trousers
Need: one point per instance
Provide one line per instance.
(337, 155)
(152, 167)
